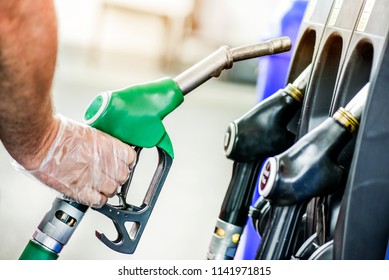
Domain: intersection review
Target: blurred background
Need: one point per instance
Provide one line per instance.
(110, 44)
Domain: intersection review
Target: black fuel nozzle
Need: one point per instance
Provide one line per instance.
(309, 168)
(260, 133)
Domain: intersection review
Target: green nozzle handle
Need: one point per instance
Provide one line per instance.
(134, 114)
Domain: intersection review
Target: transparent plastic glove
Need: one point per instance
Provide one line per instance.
(84, 163)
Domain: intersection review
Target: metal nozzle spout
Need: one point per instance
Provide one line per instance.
(350, 116)
(273, 46)
(357, 103)
(297, 88)
(224, 58)
(302, 80)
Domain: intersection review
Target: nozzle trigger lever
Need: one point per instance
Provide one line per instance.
(127, 241)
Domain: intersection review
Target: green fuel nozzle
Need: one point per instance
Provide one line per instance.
(134, 114)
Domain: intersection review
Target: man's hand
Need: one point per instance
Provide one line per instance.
(77, 160)
(83, 163)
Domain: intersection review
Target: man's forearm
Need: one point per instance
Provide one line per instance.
(28, 48)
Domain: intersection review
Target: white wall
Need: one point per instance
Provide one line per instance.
(221, 22)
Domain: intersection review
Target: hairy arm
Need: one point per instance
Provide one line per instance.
(28, 49)
(72, 158)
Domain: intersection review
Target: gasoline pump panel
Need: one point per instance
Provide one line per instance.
(346, 41)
